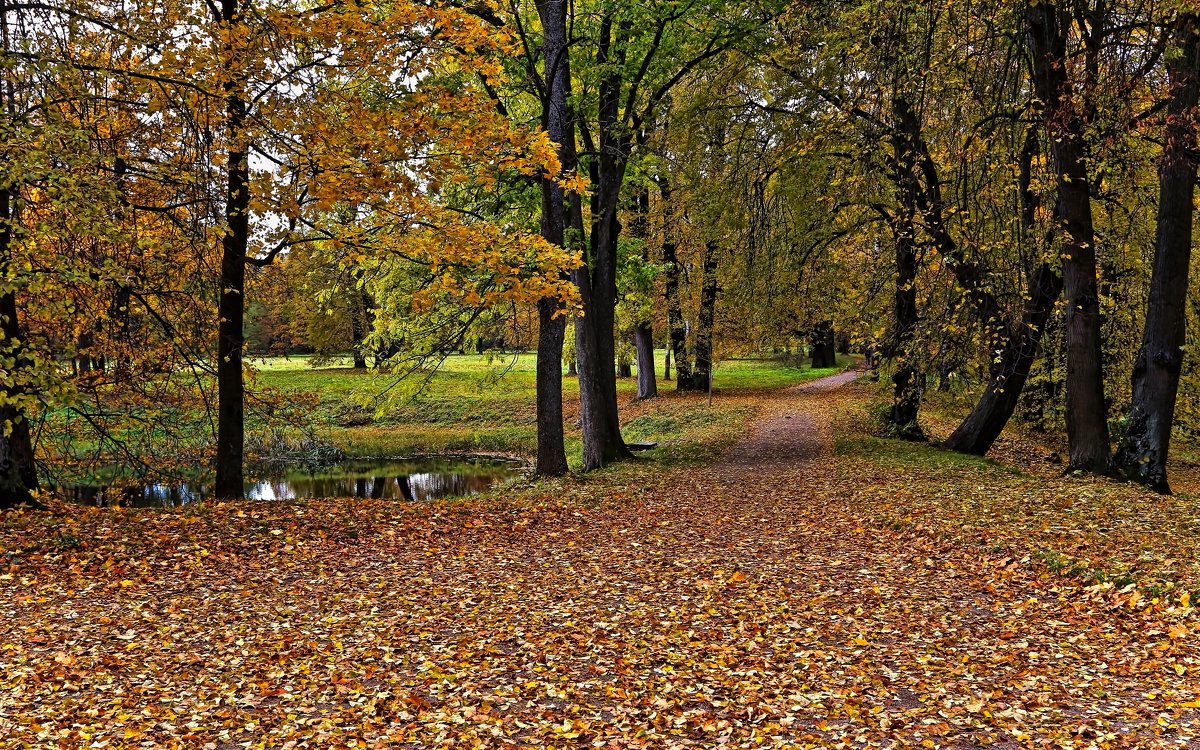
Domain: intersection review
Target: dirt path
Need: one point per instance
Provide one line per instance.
(737, 607)
(789, 435)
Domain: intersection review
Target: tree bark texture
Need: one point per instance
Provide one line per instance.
(1086, 408)
(551, 453)
(1143, 452)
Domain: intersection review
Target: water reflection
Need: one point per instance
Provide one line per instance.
(396, 480)
(415, 486)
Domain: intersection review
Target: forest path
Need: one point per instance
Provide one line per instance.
(791, 432)
(742, 605)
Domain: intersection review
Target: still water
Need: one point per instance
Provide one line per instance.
(414, 480)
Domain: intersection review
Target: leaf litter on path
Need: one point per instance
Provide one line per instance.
(751, 605)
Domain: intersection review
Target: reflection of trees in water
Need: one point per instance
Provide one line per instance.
(278, 489)
(419, 486)
(415, 486)
(430, 486)
(148, 496)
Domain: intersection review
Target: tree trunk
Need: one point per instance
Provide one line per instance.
(978, 432)
(596, 279)
(677, 332)
(643, 340)
(1143, 452)
(624, 364)
(551, 453)
(824, 353)
(703, 364)
(667, 366)
(18, 470)
(908, 380)
(1086, 409)
(843, 344)
(643, 332)
(229, 483)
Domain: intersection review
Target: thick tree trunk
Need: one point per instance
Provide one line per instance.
(18, 470)
(229, 483)
(1086, 409)
(230, 339)
(551, 453)
(1143, 452)
(824, 353)
(597, 390)
(643, 340)
(978, 432)
(596, 279)
(705, 320)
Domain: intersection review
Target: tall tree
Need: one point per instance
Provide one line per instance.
(552, 318)
(1143, 452)
(643, 326)
(676, 328)
(320, 108)
(1019, 346)
(596, 278)
(18, 472)
(641, 55)
(1064, 119)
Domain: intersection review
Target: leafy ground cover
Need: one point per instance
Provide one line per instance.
(1018, 503)
(736, 589)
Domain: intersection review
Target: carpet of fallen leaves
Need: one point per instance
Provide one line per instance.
(1019, 503)
(751, 604)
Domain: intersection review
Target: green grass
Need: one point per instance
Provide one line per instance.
(485, 404)
(901, 453)
(758, 374)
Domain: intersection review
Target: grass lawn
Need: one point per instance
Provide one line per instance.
(481, 403)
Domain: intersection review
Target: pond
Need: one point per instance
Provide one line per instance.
(407, 479)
